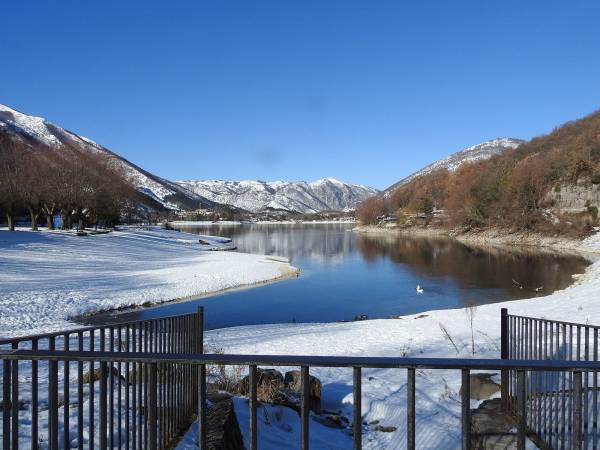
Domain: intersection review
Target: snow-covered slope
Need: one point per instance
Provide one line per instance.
(38, 130)
(300, 196)
(477, 152)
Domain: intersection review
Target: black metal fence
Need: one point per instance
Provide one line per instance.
(140, 385)
(561, 406)
(89, 403)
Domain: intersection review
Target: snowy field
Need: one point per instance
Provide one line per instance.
(384, 391)
(48, 277)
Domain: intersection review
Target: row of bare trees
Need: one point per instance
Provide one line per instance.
(84, 188)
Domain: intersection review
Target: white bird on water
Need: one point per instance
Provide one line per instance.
(419, 289)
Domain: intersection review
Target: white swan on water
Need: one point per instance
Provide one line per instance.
(419, 289)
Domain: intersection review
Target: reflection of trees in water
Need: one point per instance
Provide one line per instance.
(467, 266)
(327, 242)
(473, 267)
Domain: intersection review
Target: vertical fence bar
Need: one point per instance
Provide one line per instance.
(111, 392)
(357, 414)
(521, 410)
(202, 431)
(6, 370)
(152, 406)
(253, 382)
(466, 408)
(15, 401)
(410, 409)
(595, 397)
(52, 399)
(34, 398)
(119, 391)
(102, 431)
(91, 393)
(304, 406)
(80, 394)
(576, 437)
(504, 354)
(66, 386)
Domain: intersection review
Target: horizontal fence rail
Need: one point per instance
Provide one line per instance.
(561, 406)
(153, 362)
(100, 403)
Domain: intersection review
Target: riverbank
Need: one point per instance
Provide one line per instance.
(439, 333)
(48, 277)
(491, 237)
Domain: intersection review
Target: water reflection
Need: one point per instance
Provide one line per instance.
(344, 274)
(477, 267)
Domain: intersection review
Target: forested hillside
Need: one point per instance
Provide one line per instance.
(522, 188)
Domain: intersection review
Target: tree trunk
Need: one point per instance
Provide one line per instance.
(50, 221)
(34, 219)
(66, 220)
(11, 222)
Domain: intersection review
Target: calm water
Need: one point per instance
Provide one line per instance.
(345, 274)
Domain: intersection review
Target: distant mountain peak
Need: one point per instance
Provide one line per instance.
(295, 196)
(477, 152)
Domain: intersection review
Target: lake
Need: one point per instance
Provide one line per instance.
(345, 274)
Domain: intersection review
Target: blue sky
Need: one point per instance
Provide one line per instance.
(363, 91)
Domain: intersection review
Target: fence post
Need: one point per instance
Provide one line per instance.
(410, 410)
(304, 406)
(521, 410)
(152, 406)
(466, 408)
(504, 378)
(6, 372)
(200, 328)
(357, 414)
(202, 431)
(577, 416)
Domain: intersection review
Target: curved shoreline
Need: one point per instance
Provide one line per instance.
(84, 319)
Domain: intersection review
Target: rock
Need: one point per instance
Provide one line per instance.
(384, 429)
(492, 428)
(268, 386)
(361, 317)
(223, 428)
(95, 376)
(482, 386)
(332, 420)
(23, 405)
(292, 381)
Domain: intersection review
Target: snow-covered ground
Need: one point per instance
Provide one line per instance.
(384, 391)
(54, 275)
(48, 277)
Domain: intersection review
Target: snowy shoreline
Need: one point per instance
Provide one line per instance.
(49, 277)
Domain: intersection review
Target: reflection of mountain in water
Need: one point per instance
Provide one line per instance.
(345, 274)
(475, 267)
(326, 243)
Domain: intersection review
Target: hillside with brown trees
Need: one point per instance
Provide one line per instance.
(511, 190)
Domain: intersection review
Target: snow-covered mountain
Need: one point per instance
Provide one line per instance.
(38, 130)
(477, 152)
(299, 196)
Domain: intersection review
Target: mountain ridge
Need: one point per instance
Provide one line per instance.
(38, 129)
(294, 196)
(478, 152)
